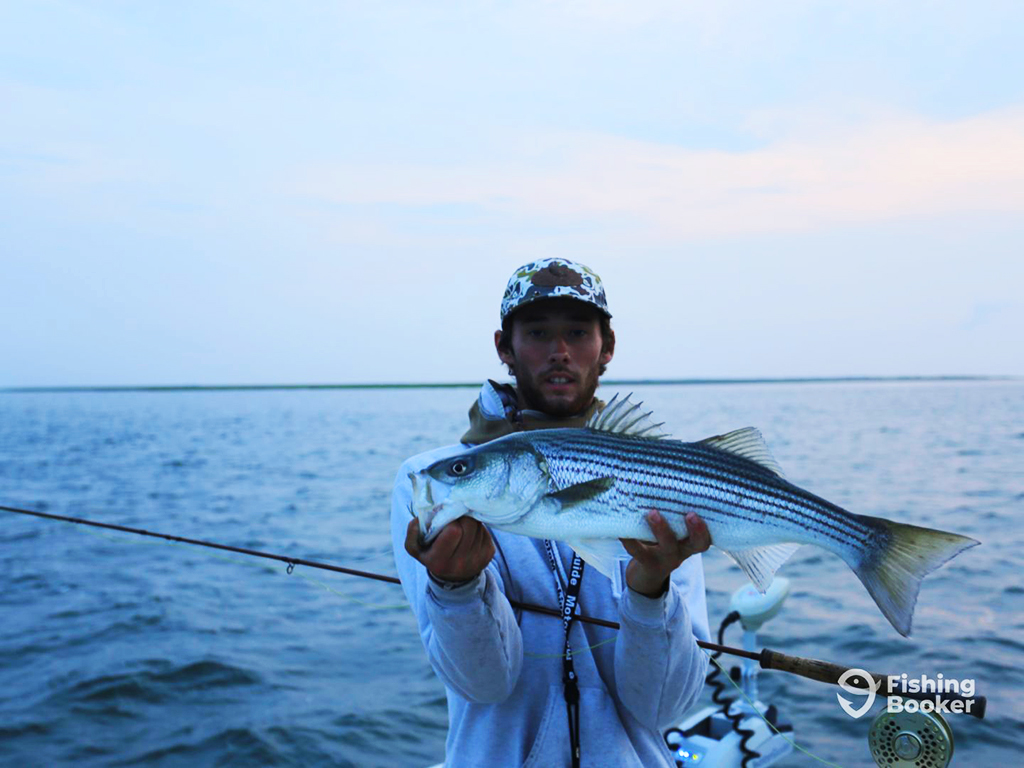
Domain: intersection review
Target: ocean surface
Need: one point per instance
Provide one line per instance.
(117, 650)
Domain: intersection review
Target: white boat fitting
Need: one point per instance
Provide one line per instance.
(737, 732)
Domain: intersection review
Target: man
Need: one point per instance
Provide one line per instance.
(513, 696)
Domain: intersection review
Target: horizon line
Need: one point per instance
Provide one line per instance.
(467, 385)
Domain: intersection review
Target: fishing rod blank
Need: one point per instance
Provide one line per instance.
(290, 561)
(812, 669)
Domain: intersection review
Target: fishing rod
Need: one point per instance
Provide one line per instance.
(812, 669)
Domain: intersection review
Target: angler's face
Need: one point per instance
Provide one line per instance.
(557, 353)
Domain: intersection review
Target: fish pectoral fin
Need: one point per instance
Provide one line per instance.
(749, 444)
(602, 554)
(761, 563)
(580, 492)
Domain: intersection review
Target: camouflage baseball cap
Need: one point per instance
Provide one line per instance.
(552, 279)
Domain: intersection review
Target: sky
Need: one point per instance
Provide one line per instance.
(330, 192)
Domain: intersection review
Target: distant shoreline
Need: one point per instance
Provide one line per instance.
(469, 385)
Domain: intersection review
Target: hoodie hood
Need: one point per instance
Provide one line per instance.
(496, 413)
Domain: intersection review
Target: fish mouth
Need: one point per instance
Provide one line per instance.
(423, 507)
(432, 516)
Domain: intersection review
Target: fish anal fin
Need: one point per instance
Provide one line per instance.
(761, 563)
(749, 444)
(580, 492)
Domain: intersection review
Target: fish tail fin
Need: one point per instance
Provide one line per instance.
(902, 556)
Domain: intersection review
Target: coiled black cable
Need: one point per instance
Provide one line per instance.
(716, 696)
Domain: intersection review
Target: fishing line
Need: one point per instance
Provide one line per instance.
(350, 598)
(575, 652)
(758, 712)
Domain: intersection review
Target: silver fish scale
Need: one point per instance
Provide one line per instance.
(676, 477)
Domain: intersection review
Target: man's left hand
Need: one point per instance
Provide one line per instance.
(652, 564)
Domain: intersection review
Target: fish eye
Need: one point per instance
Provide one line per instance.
(460, 467)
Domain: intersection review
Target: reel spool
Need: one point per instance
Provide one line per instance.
(911, 740)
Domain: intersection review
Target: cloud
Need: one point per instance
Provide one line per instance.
(883, 168)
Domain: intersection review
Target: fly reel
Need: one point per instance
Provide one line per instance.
(911, 740)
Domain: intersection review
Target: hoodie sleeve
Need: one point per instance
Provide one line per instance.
(659, 668)
(470, 632)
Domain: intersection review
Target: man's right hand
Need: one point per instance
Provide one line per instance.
(459, 553)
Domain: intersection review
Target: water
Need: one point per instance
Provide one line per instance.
(123, 651)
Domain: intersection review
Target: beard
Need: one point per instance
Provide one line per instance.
(559, 405)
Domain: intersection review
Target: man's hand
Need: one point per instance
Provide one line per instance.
(459, 553)
(652, 564)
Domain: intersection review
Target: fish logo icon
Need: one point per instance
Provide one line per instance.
(870, 692)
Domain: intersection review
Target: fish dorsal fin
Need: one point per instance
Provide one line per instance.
(761, 563)
(749, 444)
(621, 417)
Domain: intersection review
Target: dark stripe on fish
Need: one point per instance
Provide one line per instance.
(732, 473)
(639, 469)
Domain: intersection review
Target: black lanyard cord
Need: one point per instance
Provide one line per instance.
(569, 599)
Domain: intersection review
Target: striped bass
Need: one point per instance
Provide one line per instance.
(592, 486)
